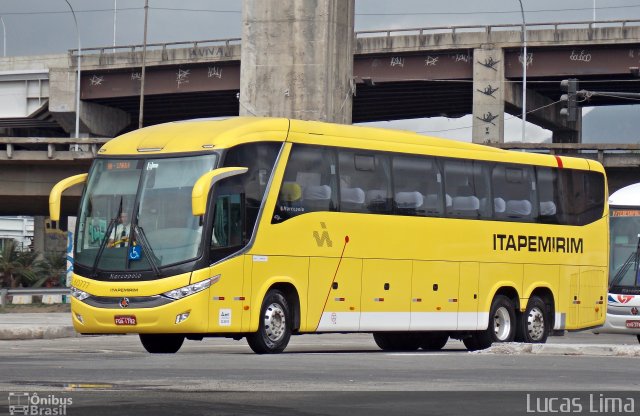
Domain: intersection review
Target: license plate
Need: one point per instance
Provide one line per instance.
(633, 324)
(125, 320)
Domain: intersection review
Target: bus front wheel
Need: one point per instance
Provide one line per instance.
(534, 323)
(161, 343)
(274, 329)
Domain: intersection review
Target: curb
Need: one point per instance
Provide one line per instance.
(514, 348)
(37, 332)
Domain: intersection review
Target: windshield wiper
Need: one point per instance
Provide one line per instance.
(146, 247)
(105, 239)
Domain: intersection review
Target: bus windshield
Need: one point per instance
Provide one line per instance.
(136, 213)
(623, 273)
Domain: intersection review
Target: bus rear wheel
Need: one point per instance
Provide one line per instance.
(274, 329)
(534, 324)
(502, 319)
(161, 343)
(397, 341)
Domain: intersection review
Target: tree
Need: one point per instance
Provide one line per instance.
(19, 267)
(53, 268)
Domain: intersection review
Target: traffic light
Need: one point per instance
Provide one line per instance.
(569, 104)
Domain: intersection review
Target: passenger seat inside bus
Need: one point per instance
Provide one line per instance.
(407, 203)
(317, 198)
(351, 199)
(465, 203)
(518, 208)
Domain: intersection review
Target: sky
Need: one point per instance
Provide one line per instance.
(36, 27)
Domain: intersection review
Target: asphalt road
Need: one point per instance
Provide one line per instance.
(317, 374)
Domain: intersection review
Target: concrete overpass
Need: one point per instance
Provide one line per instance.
(397, 74)
(409, 73)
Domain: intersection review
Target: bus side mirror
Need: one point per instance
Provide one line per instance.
(203, 185)
(56, 193)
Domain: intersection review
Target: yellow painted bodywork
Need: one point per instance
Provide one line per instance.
(56, 193)
(392, 268)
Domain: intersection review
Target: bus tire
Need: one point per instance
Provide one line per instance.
(501, 326)
(433, 341)
(479, 340)
(397, 341)
(502, 319)
(161, 343)
(274, 329)
(638, 336)
(534, 325)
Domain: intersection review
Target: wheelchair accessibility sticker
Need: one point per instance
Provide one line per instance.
(135, 253)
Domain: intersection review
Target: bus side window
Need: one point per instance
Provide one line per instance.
(467, 185)
(515, 185)
(365, 182)
(309, 183)
(585, 190)
(417, 190)
(548, 196)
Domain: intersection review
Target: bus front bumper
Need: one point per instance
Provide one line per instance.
(618, 324)
(186, 315)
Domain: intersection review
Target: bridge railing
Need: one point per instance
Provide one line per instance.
(53, 148)
(158, 46)
(609, 154)
(49, 148)
(488, 29)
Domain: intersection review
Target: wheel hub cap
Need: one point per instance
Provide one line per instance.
(502, 324)
(535, 324)
(274, 322)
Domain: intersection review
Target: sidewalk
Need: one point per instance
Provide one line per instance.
(15, 326)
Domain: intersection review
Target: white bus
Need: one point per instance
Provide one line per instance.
(623, 300)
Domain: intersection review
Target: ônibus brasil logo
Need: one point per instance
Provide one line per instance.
(34, 404)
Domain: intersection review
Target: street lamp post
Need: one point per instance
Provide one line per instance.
(524, 72)
(77, 134)
(4, 37)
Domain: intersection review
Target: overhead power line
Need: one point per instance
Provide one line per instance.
(186, 9)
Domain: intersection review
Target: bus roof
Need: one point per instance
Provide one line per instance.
(629, 196)
(206, 135)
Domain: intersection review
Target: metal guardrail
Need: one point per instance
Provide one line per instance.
(31, 291)
(588, 24)
(194, 44)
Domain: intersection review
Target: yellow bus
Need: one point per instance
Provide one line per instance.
(263, 228)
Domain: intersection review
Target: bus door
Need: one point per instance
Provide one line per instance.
(386, 291)
(435, 295)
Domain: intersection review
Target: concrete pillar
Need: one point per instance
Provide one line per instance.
(39, 235)
(297, 59)
(488, 95)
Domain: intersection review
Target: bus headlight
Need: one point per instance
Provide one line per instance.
(188, 290)
(78, 294)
